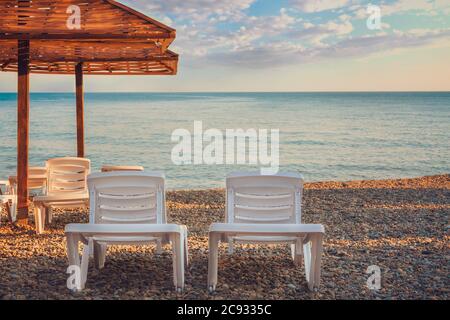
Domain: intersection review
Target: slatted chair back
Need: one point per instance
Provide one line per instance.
(35, 177)
(256, 198)
(127, 198)
(67, 175)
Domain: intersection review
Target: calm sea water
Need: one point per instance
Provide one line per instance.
(325, 136)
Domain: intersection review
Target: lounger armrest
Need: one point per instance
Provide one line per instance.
(266, 229)
(91, 229)
(62, 197)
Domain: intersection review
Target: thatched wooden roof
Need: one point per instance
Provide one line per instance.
(112, 38)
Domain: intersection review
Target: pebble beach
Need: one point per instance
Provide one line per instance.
(401, 226)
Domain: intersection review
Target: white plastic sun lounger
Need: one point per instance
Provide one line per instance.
(5, 201)
(267, 209)
(37, 179)
(66, 188)
(9, 200)
(126, 208)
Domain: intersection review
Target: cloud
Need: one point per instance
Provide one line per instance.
(226, 33)
(318, 5)
(365, 45)
(285, 53)
(419, 7)
(198, 42)
(406, 5)
(259, 27)
(317, 33)
(195, 10)
(262, 56)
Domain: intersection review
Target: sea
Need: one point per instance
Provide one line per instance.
(324, 136)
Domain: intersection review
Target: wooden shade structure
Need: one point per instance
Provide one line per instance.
(94, 37)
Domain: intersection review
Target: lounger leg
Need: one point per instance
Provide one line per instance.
(174, 262)
(293, 251)
(91, 248)
(8, 208)
(159, 246)
(186, 247)
(313, 258)
(230, 246)
(99, 254)
(9, 211)
(73, 256)
(316, 260)
(307, 260)
(213, 261)
(48, 215)
(297, 252)
(72, 249)
(178, 261)
(43, 213)
(36, 218)
(39, 219)
(13, 211)
(85, 263)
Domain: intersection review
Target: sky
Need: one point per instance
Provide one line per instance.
(289, 45)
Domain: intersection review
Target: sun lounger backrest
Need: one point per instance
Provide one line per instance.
(255, 198)
(37, 178)
(34, 177)
(36, 171)
(67, 174)
(127, 197)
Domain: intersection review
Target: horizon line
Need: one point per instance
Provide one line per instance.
(314, 91)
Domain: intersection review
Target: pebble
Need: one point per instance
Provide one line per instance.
(367, 223)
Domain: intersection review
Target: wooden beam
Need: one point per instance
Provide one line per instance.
(80, 109)
(94, 60)
(107, 73)
(84, 36)
(23, 125)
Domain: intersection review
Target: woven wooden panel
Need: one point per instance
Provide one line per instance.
(47, 57)
(96, 68)
(99, 19)
(113, 39)
(77, 50)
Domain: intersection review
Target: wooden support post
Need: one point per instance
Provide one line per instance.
(23, 125)
(80, 109)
